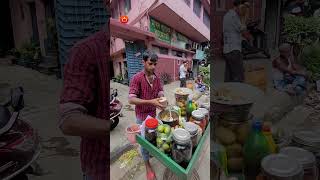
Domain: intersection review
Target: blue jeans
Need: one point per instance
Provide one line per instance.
(298, 83)
(144, 152)
(200, 87)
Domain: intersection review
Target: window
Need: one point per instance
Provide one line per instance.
(160, 50)
(206, 19)
(164, 50)
(156, 49)
(187, 2)
(221, 5)
(127, 6)
(177, 53)
(197, 7)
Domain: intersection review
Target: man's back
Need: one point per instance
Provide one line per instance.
(231, 31)
(182, 71)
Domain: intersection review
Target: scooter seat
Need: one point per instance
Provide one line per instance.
(6, 119)
(4, 116)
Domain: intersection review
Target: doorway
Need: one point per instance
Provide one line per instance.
(35, 33)
(125, 70)
(111, 69)
(272, 23)
(6, 31)
(120, 68)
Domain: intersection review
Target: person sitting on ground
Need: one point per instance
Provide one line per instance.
(289, 76)
(200, 86)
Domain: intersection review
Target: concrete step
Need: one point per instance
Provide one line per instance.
(49, 62)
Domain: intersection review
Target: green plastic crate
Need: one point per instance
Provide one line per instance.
(182, 173)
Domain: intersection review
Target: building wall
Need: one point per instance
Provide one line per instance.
(140, 6)
(183, 10)
(22, 23)
(116, 60)
(41, 21)
(117, 45)
(167, 63)
(170, 65)
(116, 67)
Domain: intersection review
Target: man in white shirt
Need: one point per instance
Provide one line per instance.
(232, 30)
(183, 73)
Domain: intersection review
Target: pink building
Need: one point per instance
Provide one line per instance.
(177, 30)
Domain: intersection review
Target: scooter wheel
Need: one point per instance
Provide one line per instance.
(114, 122)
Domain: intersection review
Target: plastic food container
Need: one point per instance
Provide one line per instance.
(164, 139)
(193, 130)
(198, 118)
(281, 167)
(131, 133)
(232, 135)
(150, 130)
(181, 95)
(206, 115)
(182, 146)
(305, 158)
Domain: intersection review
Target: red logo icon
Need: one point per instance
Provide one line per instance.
(124, 19)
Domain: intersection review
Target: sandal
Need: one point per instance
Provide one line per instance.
(151, 175)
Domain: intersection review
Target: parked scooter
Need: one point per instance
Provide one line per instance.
(19, 142)
(115, 109)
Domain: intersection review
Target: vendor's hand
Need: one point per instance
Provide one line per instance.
(161, 108)
(156, 103)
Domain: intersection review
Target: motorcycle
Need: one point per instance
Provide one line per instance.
(115, 109)
(19, 142)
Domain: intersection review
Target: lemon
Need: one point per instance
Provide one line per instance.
(159, 141)
(167, 130)
(160, 128)
(165, 147)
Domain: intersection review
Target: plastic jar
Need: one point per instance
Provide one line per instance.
(305, 158)
(232, 135)
(182, 146)
(198, 118)
(181, 95)
(150, 130)
(281, 167)
(193, 130)
(206, 115)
